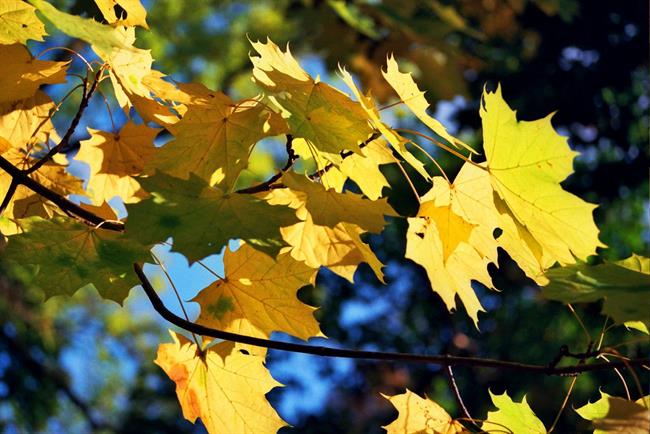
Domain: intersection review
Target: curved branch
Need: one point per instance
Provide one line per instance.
(22, 178)
(442, 359)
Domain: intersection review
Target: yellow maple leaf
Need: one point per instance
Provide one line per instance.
(217, 137)
(18, 22)
(223, 385)
(362, 168)
(475, 200)
(339, 248)
(258, 296)
(419, 415)
(527, 160)
(27, 122)
(396, 141)
(134, 13)
(114, 159)
(328, 207)
(451, 237)
(315, 111)
(21, 75)
(414, 99)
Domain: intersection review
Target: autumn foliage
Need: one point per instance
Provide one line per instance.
(177, 165)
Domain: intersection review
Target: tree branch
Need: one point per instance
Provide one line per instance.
(442, 360)
(267, 185)
(22, 178)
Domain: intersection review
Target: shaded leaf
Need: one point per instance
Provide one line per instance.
(21, 75)
(624, 286)
(202, 219)
(613, 415)
(315, 111)
(61, 255)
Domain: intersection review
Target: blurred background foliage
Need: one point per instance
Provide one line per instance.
(83, 365)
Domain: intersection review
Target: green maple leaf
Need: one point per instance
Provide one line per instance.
(624, 285)
(202, 219)
(61, 255)
(512, 417)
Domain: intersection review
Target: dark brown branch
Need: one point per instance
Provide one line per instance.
(267, 185)
(442, 360)
(345, 154)
(22, 178)
(65, 140)
(271, 183)
(8, 196)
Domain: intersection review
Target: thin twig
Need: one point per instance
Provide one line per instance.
(85, 99)
(563, 406)
(442, 360)
(178, 296)
(459, 398)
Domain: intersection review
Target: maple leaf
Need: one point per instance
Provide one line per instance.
(328, 207)
(132, 13)
(258, 296)
(339, 248)
(623, 285)
(27, 122)
(202, 219)
(99, 35)
(315, 111)
(613, 415)
(396, 141)
(217, 137)
(421, 415)
(512, 417)
(474, 199)
(61, 255)
(21, 75)
(414, 99)
(451, 237)
(224, 385)
(115, 159)
(527, 161)
(18, 23)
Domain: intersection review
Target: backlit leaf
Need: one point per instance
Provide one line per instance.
(527, 160)
(18, 23)
(421, 415)
(512, 417)
(223, 385)
(258, 296)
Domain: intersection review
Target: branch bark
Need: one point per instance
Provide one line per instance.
(441, 359)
